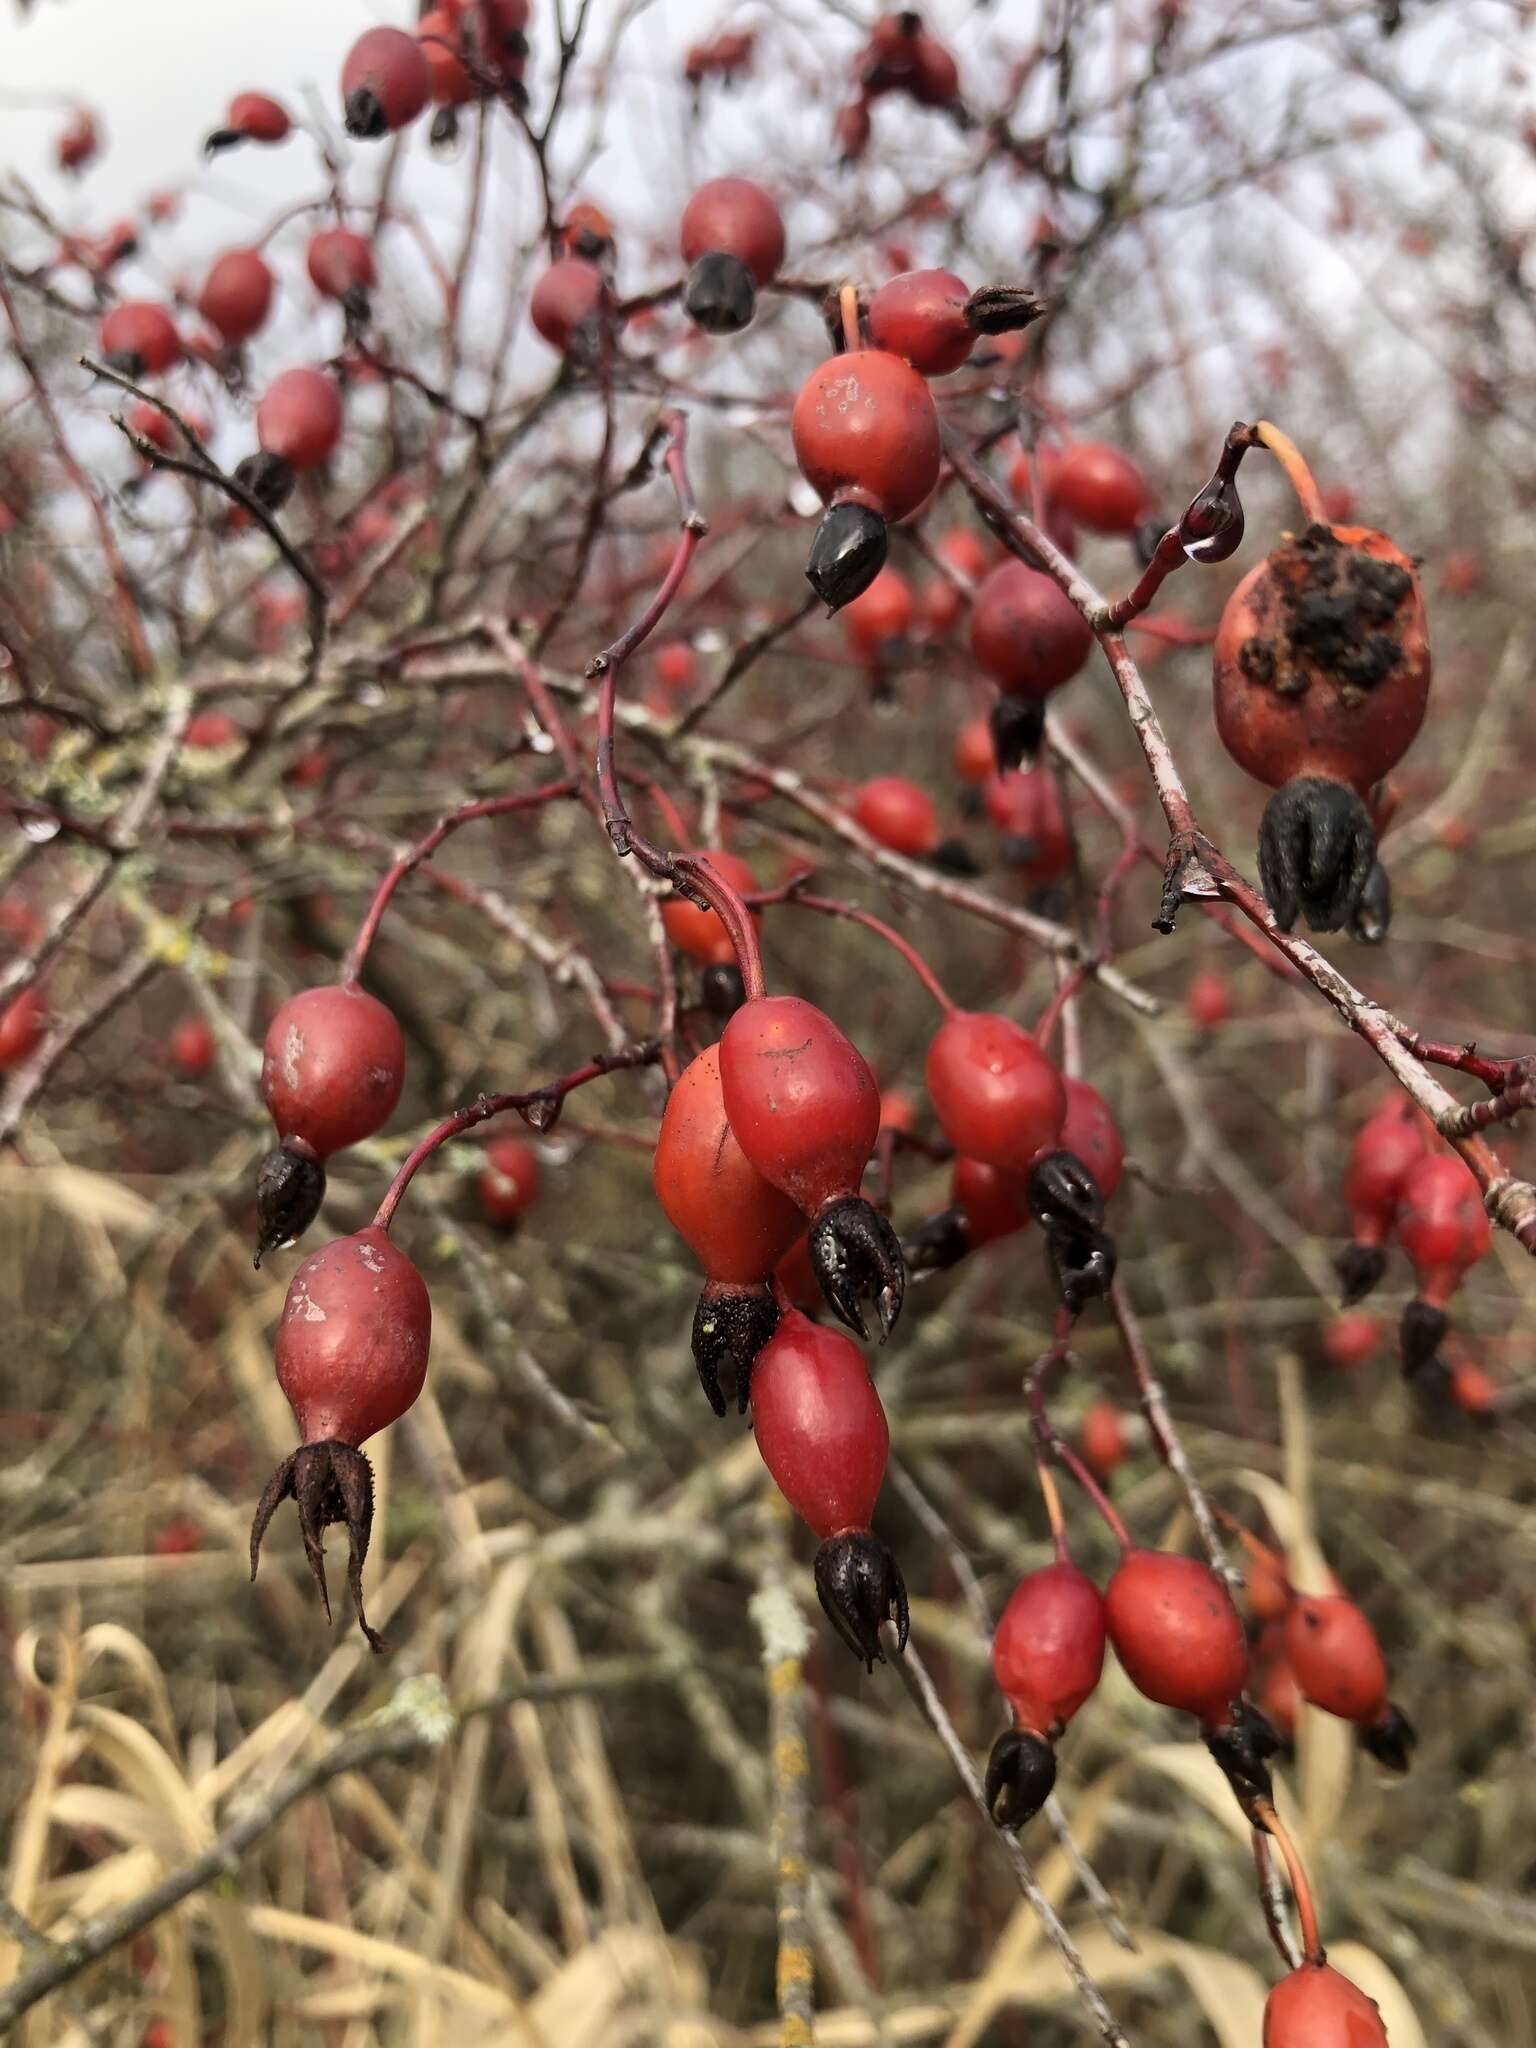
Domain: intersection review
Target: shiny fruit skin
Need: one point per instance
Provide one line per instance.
(801, 1099)
(191, 1046)
(819, 1424)
(137, 328)
(879, 615)
(353, 1341)
(1313, 725)
(737, 1225)
(1100, 488)
(1352, 1339)
(332, 1067)
(700, 933)
(236, 295)
(1027, 635)
(1089, 1130)
(975, 757)
(1316, 2007)
(864, 422)
(920, 316)
(1177, 1633)
(899, 815)
(1048, 1652)
(258, 118)
(736, 218)
(1442, 1223)
(1026, 806)
(393, 67)
(996, 1093)
(569, 292)
(508, 1183)
(1333, 1651)
(21, 1027)
(300, 418)
(990, 1201)
(1101, 1440)
(338, 261)
(1386, 1149)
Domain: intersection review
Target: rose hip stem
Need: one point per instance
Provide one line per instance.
(1301, 1890)
(1047, 1437)
(487, 807)
(1290, 459)
(829, 906)
(848, 307)
(689, 873)
(538, 1107)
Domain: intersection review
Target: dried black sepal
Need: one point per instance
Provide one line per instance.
(268, 478)
(856, 1255)
(1002, 309)
(1391, 1739)
(1017, 725)
(1242, 1745)
(860, 1586)
(127, 362)
(331, 1482)
(1420, 1334)
(730, 1326)
(1021, 1775)
(847, 553)
(364, 116)
(1317, 847)
(1082, 1266)
(939, 1242)
(720, 295)
(1063, 1195)
(1371, 919)
(444, 131)
(1359, 1267)
(954, 857)
(290, 1186)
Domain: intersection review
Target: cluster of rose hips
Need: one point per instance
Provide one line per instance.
(899, 57)
(1402, 1181)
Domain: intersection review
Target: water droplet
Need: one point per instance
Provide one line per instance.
(40, 830)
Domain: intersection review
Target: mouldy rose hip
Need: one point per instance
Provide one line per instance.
(352, 1351)
(1321, 678)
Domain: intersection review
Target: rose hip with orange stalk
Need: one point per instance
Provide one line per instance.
(736, 1223)
(1321, 679)
(932, 319)
(823, 1436)
(866, 437)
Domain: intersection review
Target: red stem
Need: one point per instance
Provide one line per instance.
(487, 807)
(548, 1100)
(829, 906)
